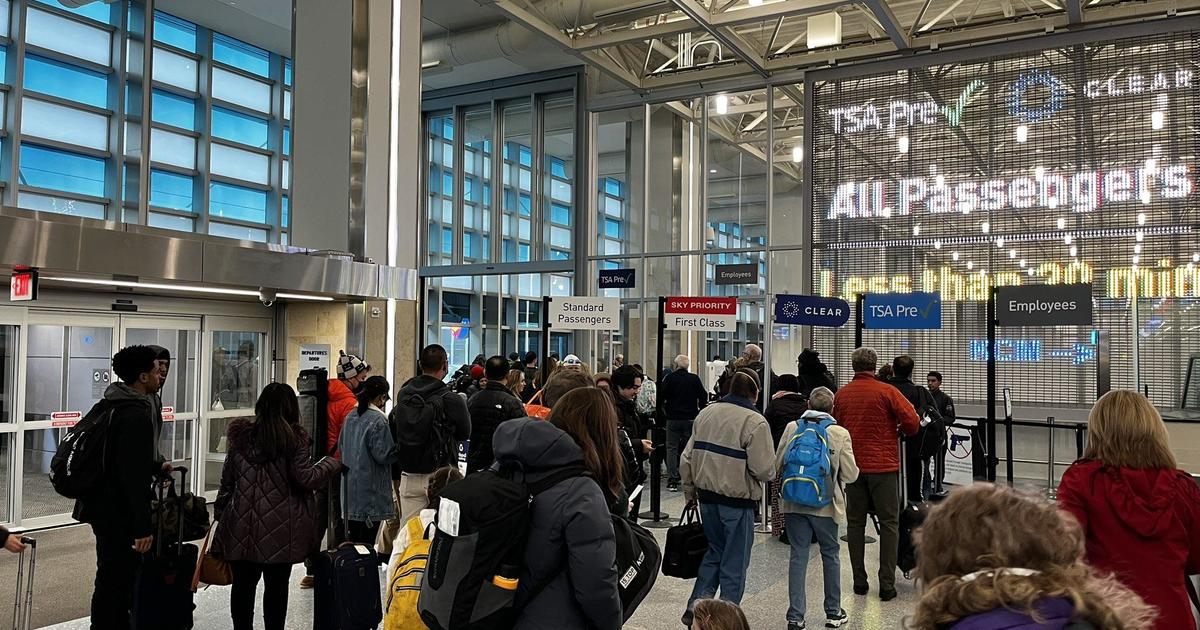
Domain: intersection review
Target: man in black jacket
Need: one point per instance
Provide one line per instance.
(683, 396)
(626, 384)
(119, 509)
(945, 405)
(489, 407)
(914, 471)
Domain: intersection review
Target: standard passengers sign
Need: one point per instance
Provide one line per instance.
(1044, 305)
(701, 313)
(585, 313)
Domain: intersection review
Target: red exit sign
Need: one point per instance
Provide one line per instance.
(23, 286)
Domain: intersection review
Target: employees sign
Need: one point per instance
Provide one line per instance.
(585, 313)
(1044, 305)
(701, 313)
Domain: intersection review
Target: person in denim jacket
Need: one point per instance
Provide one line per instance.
(368, 451)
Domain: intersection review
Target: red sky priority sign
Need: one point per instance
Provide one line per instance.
(702, 313)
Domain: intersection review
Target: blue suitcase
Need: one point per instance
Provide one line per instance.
(347, 595)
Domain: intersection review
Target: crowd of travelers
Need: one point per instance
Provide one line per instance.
(1114, 553)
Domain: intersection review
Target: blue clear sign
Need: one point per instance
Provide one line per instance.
(902, 311)
(811, 310)
(618, 279)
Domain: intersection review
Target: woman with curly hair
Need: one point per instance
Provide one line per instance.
(1021, 568)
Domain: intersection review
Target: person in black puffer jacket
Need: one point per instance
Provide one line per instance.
(812, 373)
(626, 383)
(571, 546)
(490, 407)
(787, 405)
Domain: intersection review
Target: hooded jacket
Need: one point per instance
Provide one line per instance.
(875, 414)
(1143, 525)
(1056, 614)
(456, 420)
(120, 506)
(368, 452)
(729, 456)
(341, 403)
(786, 407)
(571, 541)
(264, 505)
(488, 408)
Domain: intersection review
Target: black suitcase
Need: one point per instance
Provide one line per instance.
(347, 595)
(162, 593)
(686, 546)
(23, 606)
(912, 515)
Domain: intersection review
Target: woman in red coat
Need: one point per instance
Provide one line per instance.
(1141, 514)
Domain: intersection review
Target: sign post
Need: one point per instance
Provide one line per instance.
(658, 519)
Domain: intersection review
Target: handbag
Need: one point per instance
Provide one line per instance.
(535, 409)
(210, 569)
(686, 546)
(184, 515)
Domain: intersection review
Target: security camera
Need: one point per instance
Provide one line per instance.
(266, 296)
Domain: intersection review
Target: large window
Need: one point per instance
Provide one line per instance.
(219, 118)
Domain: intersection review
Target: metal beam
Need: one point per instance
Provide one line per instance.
(727, 37)
(635, 35)
(887, 19)
(536, 24)
(1074, 11)
(766, 12)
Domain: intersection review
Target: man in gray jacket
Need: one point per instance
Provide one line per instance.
(803, 522)
(728, 458)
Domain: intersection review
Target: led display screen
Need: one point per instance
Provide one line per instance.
(1061, 166)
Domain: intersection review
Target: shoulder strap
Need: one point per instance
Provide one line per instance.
(554, 478)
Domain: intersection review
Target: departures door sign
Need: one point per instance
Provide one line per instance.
(902, 311)
(701, 313)
(1044, 305)
(585, 313)
(811, 310)
(314, 356)
(617, 279)
(737, 274)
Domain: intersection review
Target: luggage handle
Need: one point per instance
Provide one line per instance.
(23, 611)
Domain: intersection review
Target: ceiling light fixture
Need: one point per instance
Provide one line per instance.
(1157, 120)
(722, 104)
(902, 144)
(184, 288)
(797, 153)
(1022, 133)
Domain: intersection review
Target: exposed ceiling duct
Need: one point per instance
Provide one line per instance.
(507, 40)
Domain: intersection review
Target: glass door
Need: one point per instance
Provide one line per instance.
(10, 388)
(236, 372)
(67, 368)
(181, 391)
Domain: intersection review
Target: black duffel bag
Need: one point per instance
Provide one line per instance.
(686, 546)
(184, 515)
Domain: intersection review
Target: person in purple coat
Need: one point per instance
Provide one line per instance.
(1021, 568)
(265, 504)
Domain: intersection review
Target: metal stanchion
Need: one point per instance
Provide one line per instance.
(1051, 489)
(764, 527)
(1079, 430)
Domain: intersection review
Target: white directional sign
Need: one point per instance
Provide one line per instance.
(585, 313)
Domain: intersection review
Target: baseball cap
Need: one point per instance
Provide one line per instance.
(572, 360)
(350, 366)
(477, 372)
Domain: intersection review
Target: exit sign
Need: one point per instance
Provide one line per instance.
(23, 286)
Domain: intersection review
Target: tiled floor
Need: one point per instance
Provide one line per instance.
(765, 602)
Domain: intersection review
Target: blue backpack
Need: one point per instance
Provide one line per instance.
(806, 464)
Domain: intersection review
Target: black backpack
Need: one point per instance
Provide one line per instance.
(421, 435)
(79, 463)
(638, 561)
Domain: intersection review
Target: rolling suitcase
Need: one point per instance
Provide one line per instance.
(23, 606)
(912, 514)
(162, 592)
(347, 595)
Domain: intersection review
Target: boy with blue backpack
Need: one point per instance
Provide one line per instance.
(816, 461)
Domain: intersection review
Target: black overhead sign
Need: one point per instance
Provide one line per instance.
(617, 279)
(1044, 305)
(737, 274)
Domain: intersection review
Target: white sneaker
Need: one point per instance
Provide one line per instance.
(838, 620)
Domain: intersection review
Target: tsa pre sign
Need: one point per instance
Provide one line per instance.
(701, 313)
(585, 313)
(902, 311)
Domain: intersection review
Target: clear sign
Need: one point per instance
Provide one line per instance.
(811, 310)
(617, 279)
(902, 311)
(314, 356)
(585, 313)
(1044, 305)
(701, 313)
(23, 286)
(737, 274)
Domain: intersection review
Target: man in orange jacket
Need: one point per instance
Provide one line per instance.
(351, 372)
(876, 415)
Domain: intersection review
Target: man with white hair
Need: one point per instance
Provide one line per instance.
(752, 359)
(683, 397)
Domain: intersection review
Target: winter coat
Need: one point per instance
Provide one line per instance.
(842, 468)
(488, 408)
(683, 395)
(1056, 614)
(265, 506)
(341, 403)
(818, 378)
(571, 541)
(456, 420)
(782, 410)
(876, 414)
(729, 455)
(368, 451)
(631, 432)
(1143, 525)
(120, 506)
